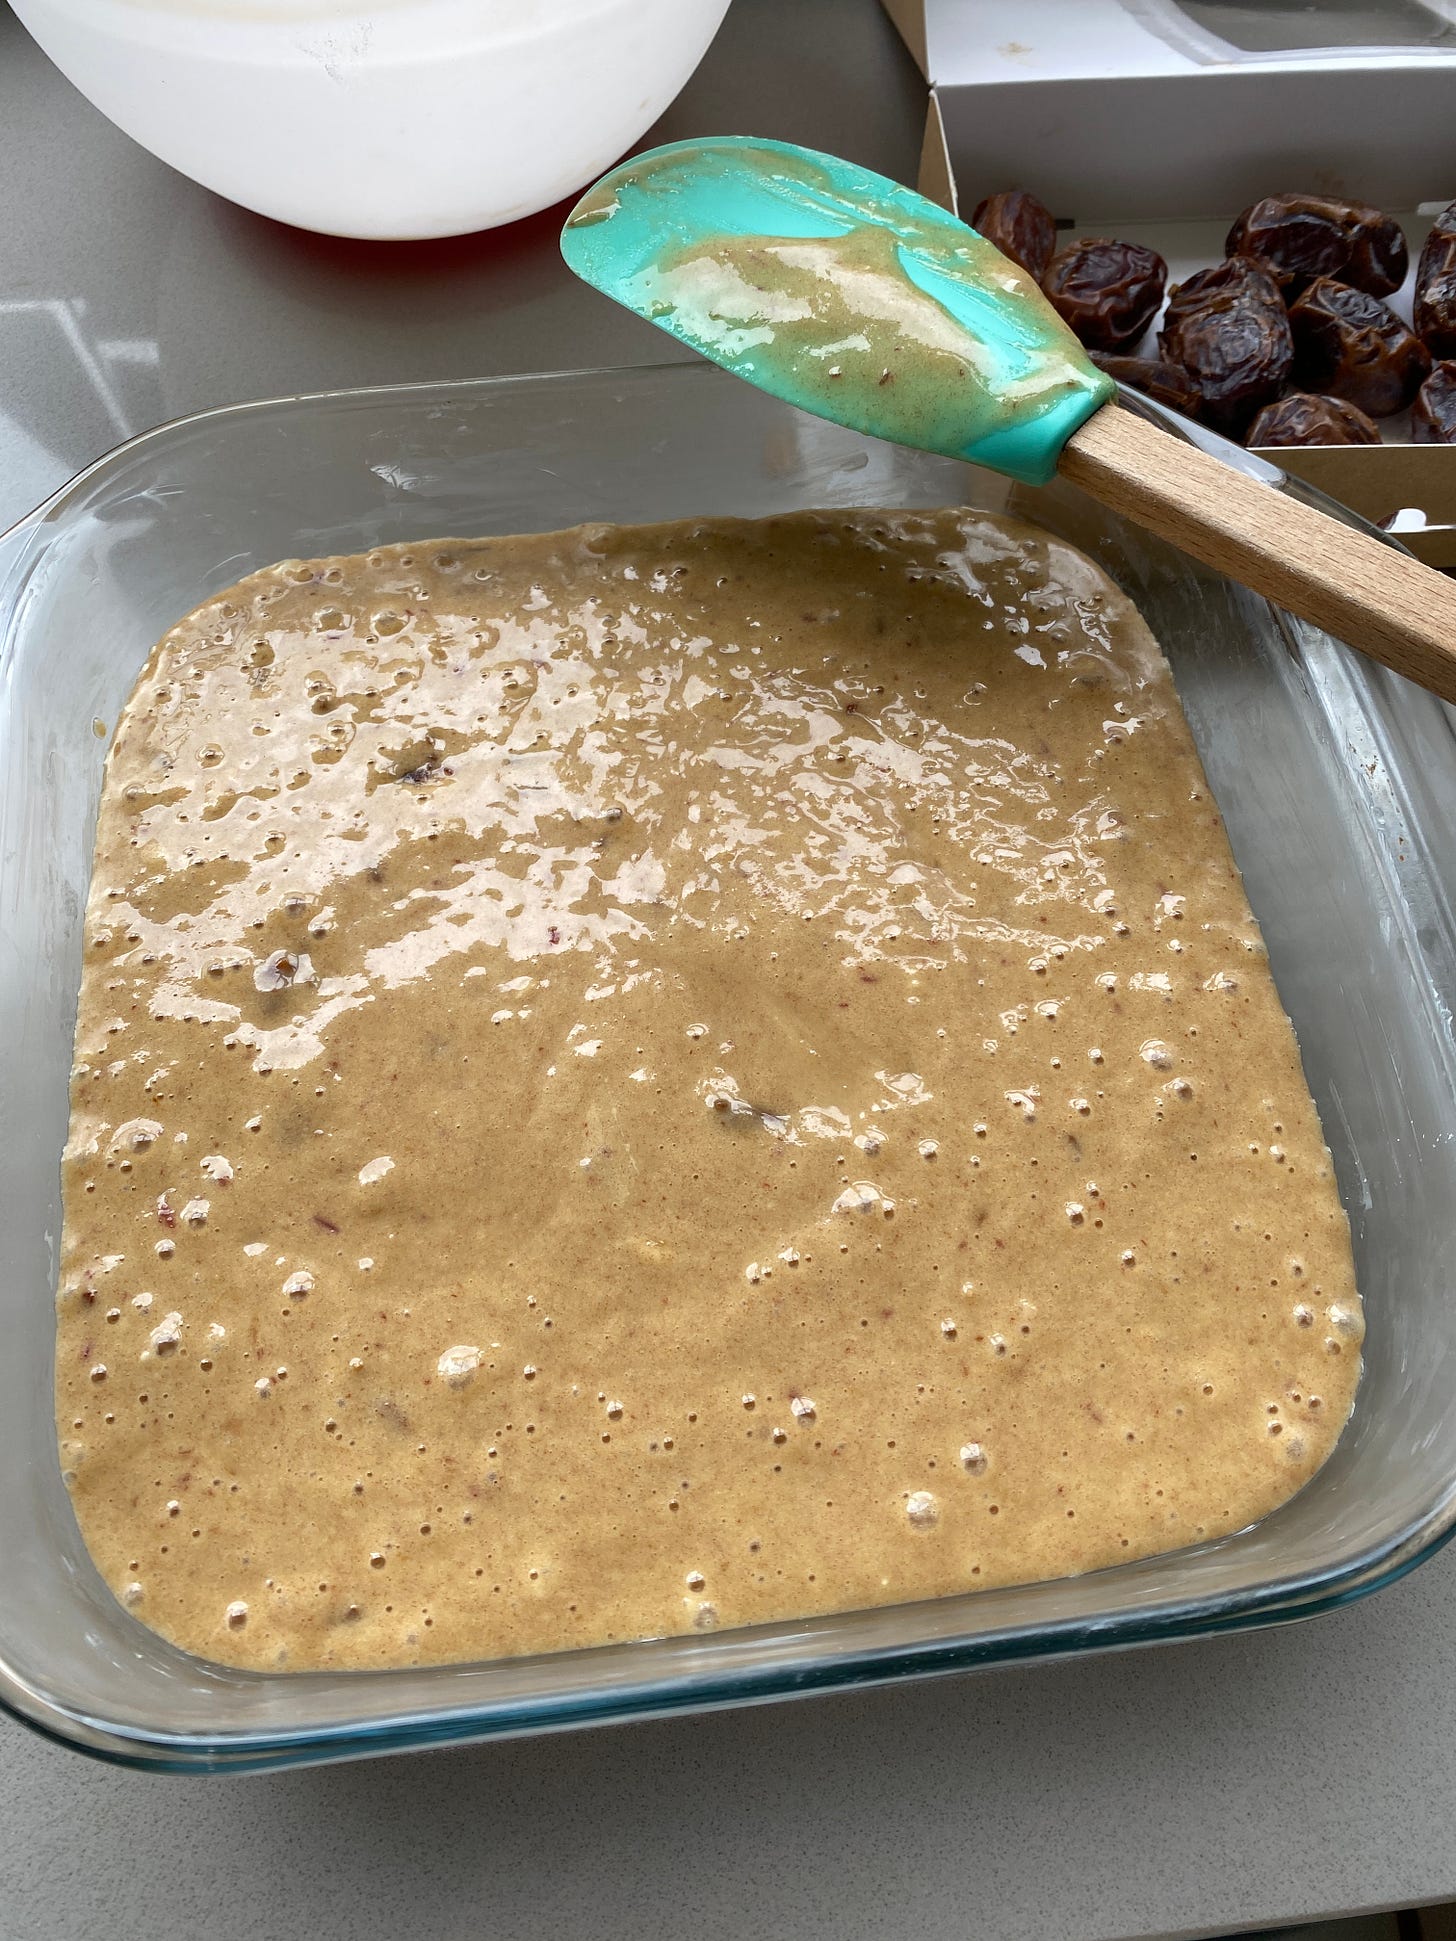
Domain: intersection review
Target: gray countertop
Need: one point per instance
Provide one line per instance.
(1239, 1781)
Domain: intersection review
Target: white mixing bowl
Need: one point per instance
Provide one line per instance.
(401, 118)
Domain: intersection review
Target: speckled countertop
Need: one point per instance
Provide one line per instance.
(1241, 1781)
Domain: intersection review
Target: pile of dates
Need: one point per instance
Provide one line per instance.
(1287, 341)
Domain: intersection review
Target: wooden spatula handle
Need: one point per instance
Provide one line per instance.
(1372, 596)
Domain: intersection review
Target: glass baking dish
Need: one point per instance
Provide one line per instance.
(1338, 784)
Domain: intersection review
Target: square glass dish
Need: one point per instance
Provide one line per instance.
(1338, 784)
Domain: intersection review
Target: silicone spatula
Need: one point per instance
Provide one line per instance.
(854, 298)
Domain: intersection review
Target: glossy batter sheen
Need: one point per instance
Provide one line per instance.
(633, 1080)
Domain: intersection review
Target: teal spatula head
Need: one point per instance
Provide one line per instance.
(843, 293)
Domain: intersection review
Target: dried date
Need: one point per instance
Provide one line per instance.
(1435, 299)
(1433, 415)
(1303, 419)
(1020, 226)
(1355, 347)
(1107, 291)
(1300, 237)
(1227, 327)
(1168, 383)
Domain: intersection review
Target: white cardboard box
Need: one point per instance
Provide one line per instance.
(1133, 118)
(1125, 111)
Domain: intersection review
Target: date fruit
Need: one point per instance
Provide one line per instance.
(1433, 415)
(1107, 291)
(1168, 383)
(1020, 227)
(1300, 237)
(1353, 346)
(1303, 419)
(1227, 328)
(1435, 300)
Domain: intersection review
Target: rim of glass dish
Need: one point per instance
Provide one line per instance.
(1303, 1595)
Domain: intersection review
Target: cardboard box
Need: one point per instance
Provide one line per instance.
(1135, 111)
(1408, 489)
(1147, 119)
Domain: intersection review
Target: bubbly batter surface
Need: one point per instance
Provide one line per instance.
(640, 1079)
